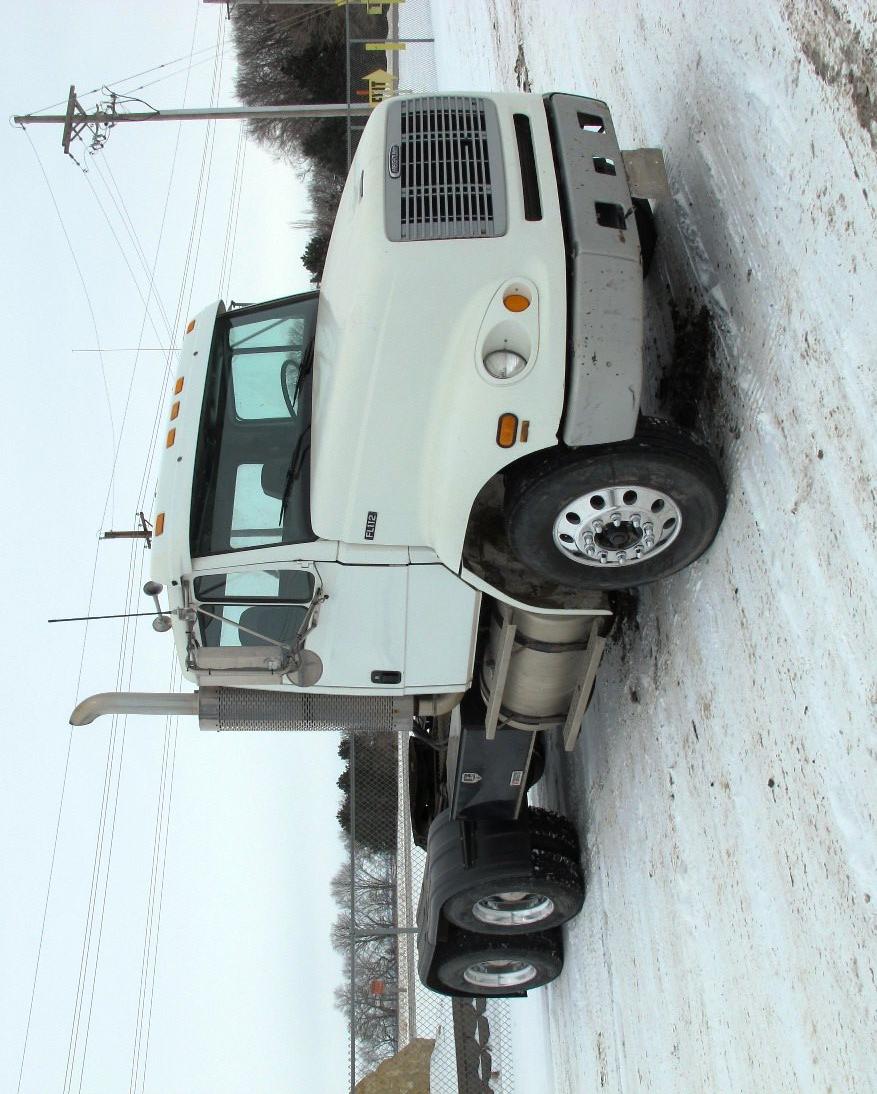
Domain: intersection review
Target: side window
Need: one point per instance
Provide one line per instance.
(255, 515)
(271, 603)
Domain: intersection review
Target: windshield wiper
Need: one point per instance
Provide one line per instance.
(304, 369)
(294, 470)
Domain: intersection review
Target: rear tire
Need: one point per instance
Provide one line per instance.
(546, 896)
(550, 831)
(495, 966)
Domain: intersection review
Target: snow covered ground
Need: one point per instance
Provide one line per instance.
(725, 783)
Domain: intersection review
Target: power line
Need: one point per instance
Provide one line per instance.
(234, 238)
(156, 894)
(125, 79)
(130, 269)
(111, 749)
(127, 629)
(214, 98)
(108, 813)
(177, 317)
(82, 282)
(176, 730)
(233, 206)
(122, 208)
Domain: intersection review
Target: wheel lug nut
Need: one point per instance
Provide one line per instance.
(590, 549)
(648, 528)
(604, 557)
(621, 557)
(616, 519)
(635, 520)
(598, 526)
(639, 552)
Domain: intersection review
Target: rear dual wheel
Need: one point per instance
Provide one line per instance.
(547, 895)
(491, 965)
(551, 831)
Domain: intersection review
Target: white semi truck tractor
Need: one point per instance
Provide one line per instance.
(402, 503)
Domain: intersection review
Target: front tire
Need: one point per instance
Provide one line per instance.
(617, 515)
(493, 966)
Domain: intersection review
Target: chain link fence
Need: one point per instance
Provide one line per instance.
(392, 54)
(386, 1004)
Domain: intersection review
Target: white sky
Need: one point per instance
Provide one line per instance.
(244, 974)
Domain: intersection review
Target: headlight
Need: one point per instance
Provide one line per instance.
(503, 364)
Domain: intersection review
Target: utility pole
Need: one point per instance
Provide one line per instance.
(102, 119)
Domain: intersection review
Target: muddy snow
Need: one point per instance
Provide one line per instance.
(725, 782)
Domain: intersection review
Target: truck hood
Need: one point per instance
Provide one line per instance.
(404, 421)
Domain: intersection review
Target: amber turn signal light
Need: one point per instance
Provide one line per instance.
(159, 524)
(516, 301)
(191, 326)
(171, 437)
(506, 430)
(175, 410)
(178, 386)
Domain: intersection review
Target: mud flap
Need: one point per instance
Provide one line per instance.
(646, 173)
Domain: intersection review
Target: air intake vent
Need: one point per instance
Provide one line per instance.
(444, 169)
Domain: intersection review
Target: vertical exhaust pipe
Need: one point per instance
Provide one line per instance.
(133, 702)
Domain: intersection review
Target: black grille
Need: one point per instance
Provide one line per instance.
(450, 171)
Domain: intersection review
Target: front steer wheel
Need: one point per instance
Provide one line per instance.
(617, 515)
(489, 965)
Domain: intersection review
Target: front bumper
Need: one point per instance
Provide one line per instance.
(604, 272)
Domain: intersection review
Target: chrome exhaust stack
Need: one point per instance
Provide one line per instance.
(221, 708)
(133, 702)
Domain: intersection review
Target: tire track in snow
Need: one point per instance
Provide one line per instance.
(842, 55)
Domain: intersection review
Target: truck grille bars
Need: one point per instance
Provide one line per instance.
(444, 169)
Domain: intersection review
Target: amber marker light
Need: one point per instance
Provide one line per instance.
(506, 430)
(159, 524)
(516, 302)
(175, 410)
(171, 437)
(178, 386)
(191, 326)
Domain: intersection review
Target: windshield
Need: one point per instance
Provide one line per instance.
(252, 464)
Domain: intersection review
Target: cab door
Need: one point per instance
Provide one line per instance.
(360, 634)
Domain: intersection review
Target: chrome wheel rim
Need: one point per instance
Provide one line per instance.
(513, 909)
(500, 973)
(617, 526)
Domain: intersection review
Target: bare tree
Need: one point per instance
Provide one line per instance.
(289, 55)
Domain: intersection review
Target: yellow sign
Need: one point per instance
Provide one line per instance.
(373, 7)
(381, 85)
